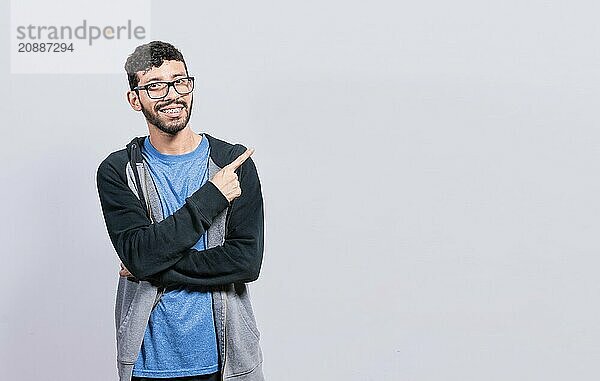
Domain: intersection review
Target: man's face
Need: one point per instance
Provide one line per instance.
(171, 113)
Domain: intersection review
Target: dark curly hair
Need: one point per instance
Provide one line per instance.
(150, 55)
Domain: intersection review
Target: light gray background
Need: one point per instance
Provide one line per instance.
(430, 176)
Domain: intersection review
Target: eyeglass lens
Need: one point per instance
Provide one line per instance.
(160, 89)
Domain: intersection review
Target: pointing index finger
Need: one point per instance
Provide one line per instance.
(240, 159)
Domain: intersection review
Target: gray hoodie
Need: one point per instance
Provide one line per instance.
(238, 337)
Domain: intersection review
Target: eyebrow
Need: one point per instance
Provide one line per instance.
(159, 79)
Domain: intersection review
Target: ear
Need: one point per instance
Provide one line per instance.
(134, 100)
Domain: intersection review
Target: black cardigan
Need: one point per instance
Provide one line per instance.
(161, 252)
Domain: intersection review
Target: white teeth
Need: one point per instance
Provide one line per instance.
(172, 110)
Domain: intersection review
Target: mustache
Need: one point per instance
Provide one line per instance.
(182, 104)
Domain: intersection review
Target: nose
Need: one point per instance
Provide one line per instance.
(171, 94)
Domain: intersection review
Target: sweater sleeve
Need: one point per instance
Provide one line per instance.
(239, 258)
(144, 247)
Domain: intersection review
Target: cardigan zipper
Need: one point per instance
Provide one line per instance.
(224, 304)
(143, 197)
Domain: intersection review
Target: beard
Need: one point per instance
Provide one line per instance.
(171, 127)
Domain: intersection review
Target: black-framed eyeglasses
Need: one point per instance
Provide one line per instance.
(160, 89)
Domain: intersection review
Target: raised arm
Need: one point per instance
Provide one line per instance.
(239, 259)
(144, 247)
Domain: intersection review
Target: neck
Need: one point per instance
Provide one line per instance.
(184, 141)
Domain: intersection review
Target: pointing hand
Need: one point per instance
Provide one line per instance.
(226, 180)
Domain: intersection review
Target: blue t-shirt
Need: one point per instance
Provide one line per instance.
(180, 337)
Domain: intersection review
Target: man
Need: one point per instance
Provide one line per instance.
(184, 212)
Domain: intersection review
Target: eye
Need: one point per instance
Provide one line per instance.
(154, 86)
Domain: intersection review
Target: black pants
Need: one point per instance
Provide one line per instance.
(203, 377)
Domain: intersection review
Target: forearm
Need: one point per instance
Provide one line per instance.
(233, 262)
(144, 247)
(239, 258)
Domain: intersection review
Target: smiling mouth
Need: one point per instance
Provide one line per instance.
(172, 112)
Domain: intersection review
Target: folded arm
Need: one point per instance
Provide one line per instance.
(146, 248)
(239, 258)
